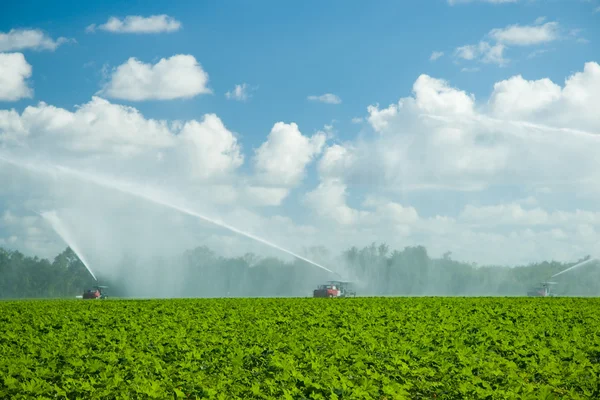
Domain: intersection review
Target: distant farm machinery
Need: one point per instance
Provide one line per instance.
(97, 292)
(544, 289)
(335, 289)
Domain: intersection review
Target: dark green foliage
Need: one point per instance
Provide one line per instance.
(363, 348)
(202, 273)
(31, 277)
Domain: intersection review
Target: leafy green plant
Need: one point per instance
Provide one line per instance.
(363, 348)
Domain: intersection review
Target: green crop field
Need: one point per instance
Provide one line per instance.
(363, 348)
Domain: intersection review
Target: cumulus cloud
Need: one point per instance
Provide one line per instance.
(239, 92)
(513, 35)
(507, 179)
(200, 149)
(201, 155)
(283, 157)
(439, 137)
(435, 55)
(14, 72)
(335, 160)
(507, 233)
(214, 150)
(179, 76)
(483, 52)
(327, 98)
(517, 96)
(138, 24)
(23, 39)
(468, 52)
(492, 54)
(436, 96)
(329, 200)
(519, 35)
(97, 126)
(384, 211)
(535, 135)
(573, 106)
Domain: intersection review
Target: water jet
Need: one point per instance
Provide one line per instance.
(152, 195)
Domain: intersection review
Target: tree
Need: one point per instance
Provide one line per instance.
(201, 273)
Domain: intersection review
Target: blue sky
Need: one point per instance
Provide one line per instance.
(364, 53)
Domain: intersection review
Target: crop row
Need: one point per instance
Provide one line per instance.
(362, 348)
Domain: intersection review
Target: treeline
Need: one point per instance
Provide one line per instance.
(201, 273)
(32, 277)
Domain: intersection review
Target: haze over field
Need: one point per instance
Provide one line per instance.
(297, 126)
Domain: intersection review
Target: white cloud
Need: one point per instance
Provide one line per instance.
(504, 214)
(239, 92)
(516, 96)
(199, 150)
(483, 51)
(492, 54)
(440, 140)
(97, 126)
(266, 196)
(574, 105)
(508, 179)
(493, 234)
(138, 24)
(329, 200)
(518, 35)
(437, 97)
(202, 155)
(179, 76)
(597, 10)
(337, 161)
(282, 159)
(385, 211)
(435, 55)
(516, 214)
(468, 52)
(213, 149)
(357, 120)
(328, 131)
(327, 98)
(512, 35)
(22, 39)
(14, 72)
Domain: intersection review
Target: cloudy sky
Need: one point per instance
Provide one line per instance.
(470, 126)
